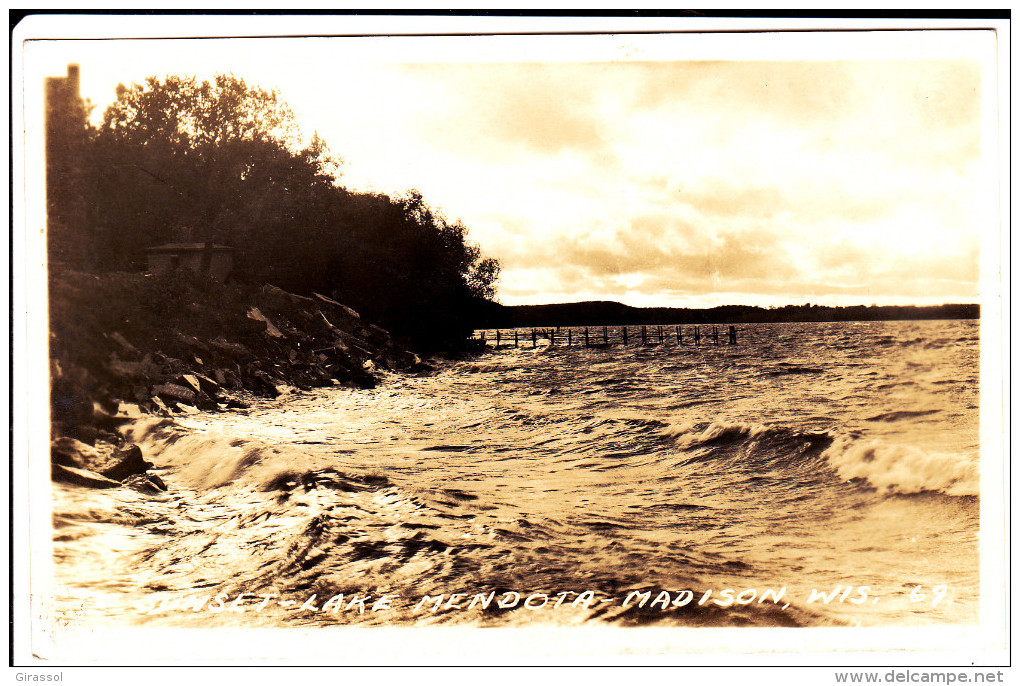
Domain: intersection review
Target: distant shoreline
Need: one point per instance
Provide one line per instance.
(614, 313)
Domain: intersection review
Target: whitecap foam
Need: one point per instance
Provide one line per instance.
(690, 434)
(903, 469)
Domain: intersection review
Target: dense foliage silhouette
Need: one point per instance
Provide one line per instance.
(179, 160)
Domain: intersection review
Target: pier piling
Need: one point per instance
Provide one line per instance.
(657, 336)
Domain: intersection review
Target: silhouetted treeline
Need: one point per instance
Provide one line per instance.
(177, 160)
(614, 314)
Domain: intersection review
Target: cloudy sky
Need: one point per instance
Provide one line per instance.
(634, 169)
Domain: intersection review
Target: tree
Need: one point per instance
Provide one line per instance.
(176, 154)
(225, 160)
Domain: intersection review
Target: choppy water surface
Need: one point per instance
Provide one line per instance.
(808, 457)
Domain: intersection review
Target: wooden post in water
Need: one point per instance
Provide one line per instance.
(569, 342)
(483, 339)
(625, 335)
(586, 336)
(715, 335)
(660, 334)
(515, 338)
(697, 335)
(605, 335)
(644, 335)
(733, 335)
(679, 335)
(534, 339)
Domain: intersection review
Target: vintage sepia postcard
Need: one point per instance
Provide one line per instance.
(420, 340)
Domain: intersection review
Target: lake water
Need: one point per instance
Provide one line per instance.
(561, 485)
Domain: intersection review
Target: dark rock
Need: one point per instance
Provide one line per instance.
(337, 308)
(69, 398)
(207, 385)
(125, 463)
(119, 339)
(170, 391)
(263, 385)
(145, 483)
(90, 434)
(171, 365)
(421, 368)
(160, 407)
(236, 403)
(203, 386)
(327, 325)
(226, 378)
(190, 341)
(69, 452)
(81, 477)
(270, 328)
(277, 297)
(229, 347)
(378, 334)
(363, 380)
(65, 459)
(355, 342)
(107, 419)
(205, 402)
(134, 370)
(189, 381)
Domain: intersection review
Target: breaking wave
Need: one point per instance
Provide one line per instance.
(887, 467)
(903, 469)
(799, 460)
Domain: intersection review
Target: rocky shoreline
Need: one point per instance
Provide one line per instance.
(216, 348)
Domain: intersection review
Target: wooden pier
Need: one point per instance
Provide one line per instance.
(605, 336)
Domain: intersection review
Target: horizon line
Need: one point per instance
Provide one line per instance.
(761, 307)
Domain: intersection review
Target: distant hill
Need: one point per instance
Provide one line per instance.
(602, 312)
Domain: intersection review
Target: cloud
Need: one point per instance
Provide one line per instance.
(651, 181)
(540, 108)
(822, 180)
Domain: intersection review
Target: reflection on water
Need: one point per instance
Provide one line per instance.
(831, 458)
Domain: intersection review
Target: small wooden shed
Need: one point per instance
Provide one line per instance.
(215, 260)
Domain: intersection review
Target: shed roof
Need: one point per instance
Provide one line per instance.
(187, 247)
